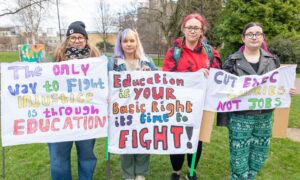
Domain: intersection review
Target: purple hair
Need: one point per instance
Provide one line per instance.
(119, 53)
(263, 46)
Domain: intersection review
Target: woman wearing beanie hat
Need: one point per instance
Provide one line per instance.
(75, 46)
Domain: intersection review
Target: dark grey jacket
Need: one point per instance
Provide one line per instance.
(237, 64)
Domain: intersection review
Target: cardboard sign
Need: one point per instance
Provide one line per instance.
(207, 126)
(53, 102)
(281, 122)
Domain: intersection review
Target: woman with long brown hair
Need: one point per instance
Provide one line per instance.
(75, 46)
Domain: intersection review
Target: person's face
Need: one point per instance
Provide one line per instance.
(253, 37)
(77, 41)
(129, 44)
(192, 30)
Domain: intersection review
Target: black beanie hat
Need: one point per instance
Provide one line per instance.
(77, 27)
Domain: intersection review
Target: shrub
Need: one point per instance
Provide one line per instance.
(109, 47)
(287, 48)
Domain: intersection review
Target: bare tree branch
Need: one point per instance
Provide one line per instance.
(104, 20)
(31, 17)
(15, 11)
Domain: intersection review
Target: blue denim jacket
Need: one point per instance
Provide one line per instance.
(118, 64)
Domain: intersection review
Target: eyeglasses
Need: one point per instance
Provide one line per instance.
(195, 28)
(79, 38)
(251, 35)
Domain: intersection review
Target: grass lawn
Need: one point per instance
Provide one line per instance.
(14, 56)
(158, 61)
(32, 161)
(294, 119)
(298, 75)
(9, 56)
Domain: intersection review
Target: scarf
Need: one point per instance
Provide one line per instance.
(73, 53)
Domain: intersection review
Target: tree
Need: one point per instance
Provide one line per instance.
(165, 16)
(105, 21)
(5, 43)
(128, 17)
(18, 8)
(31, 16)
(276, 16)
(109, 47)
(287, 48)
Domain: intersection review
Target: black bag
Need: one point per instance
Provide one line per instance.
(222, 118)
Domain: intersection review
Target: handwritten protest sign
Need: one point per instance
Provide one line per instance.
(32, 52)
(53, 102)
(227, 92)
(155, 112)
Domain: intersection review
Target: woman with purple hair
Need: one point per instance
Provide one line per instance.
(129, 53)
(129, 56)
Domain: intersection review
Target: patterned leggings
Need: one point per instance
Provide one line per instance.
(249, 141)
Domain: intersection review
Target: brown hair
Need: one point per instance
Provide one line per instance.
(249, 25)
(59, 53)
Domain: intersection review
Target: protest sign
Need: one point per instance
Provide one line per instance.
(32, 52)
(53, 102)
(227, 92)
(155, 112)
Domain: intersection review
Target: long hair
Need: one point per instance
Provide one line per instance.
(60, 51)
(118, 51)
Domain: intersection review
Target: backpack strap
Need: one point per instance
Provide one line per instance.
(177, 54)
(210, 53)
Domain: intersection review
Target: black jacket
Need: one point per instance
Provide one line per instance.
(237, 64)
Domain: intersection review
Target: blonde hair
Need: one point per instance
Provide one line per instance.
(139, 53)
(60, 51)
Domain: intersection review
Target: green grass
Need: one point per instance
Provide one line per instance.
(9, 56)
(14, 56)
(298, 75)
(294, 119)
(158, 61)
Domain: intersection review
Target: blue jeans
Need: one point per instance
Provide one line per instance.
(61, 162)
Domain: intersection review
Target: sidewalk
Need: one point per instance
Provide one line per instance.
(293, 134)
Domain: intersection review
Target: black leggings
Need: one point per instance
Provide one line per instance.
(178, 159)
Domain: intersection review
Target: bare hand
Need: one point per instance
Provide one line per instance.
(292, 91)
(145, 68)
(205, 72)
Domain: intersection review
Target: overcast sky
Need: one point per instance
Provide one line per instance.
(70, 10)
